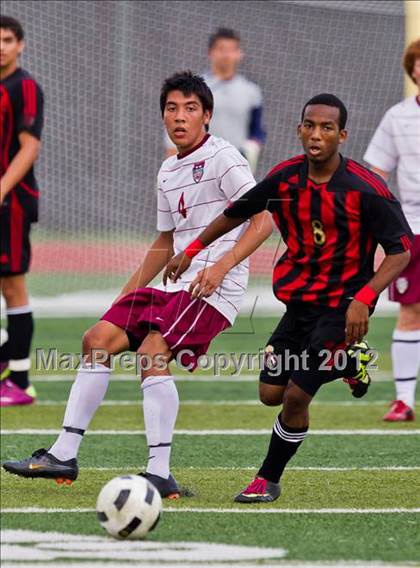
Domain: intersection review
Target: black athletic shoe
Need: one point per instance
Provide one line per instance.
(260, 490)
(359, 383)
(167, 487)
(43, 464)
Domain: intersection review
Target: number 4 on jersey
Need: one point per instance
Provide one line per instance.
(181, 206)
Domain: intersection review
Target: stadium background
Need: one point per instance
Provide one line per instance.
(101, 65)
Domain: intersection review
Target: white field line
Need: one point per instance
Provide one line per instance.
(133, 378)
(377, 376)
(251, 510)
(235, 403)
(290, 468)
(233, 432)
(241, 564)
(292, 564)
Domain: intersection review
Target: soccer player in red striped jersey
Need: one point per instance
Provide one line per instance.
(332, 214)
(163, 322)
(21, 119)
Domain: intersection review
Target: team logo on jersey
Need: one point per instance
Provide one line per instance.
(318, 233)
(198, 171)
(402, 285)
(182, 210)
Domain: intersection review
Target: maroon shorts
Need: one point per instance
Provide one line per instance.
(185, 323)
(406, 288)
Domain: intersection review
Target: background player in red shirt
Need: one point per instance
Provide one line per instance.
(332, 214)
(21, 116)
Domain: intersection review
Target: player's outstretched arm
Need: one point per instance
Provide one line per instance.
(357, 316)
(155, 260)
(21, 163)
(388, 227)
(252, 203)
(208, 280)
(217, 228)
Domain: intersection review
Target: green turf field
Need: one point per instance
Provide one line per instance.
(352, 493)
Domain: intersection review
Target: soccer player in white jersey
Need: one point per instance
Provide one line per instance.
(163, 322)
(396, 144)
(238, 102)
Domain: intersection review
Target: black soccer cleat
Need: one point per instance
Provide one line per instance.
(359, 383)
(167, 487)
(260, 490)
(43, 464)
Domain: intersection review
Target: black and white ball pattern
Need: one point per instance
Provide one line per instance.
(128, 507)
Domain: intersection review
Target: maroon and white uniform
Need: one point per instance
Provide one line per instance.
(193, 189)
(396, 145)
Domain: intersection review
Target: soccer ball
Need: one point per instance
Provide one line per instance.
(128, 507)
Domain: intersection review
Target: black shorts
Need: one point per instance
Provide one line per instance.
(15, 246)
(304, 345)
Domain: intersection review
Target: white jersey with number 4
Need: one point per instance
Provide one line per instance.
(396, 144)
(193, 189)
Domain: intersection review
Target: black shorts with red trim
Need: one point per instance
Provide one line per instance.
(15, 246)
(305, 345)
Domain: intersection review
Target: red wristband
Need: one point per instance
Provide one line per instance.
(366, 295)
(194, 248)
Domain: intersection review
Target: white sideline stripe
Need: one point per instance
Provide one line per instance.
(241, 564)
(134, 378)
(233, 432)
(222, 403)
(251, 511)
(377, 377)
(291, 468)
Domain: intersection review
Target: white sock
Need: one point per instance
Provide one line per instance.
(160, 409)
(86, 395)
(406, 363)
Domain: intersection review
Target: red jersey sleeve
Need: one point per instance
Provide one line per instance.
(31, 110)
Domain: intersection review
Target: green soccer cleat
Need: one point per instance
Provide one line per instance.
(359, 383)
(43, 464)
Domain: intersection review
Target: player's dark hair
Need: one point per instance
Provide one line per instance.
(8, 23)
(188, 84)
(223, 33)
(329, 100)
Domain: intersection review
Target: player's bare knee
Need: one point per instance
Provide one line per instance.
(93, 339)
(270, 395)
(409, 317)
(269, 400)
(154, 345)
(5, 287)
(295, 400)
(14, 291)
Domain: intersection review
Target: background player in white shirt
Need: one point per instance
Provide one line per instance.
(238, 102)
(194, 187)
(396, 144)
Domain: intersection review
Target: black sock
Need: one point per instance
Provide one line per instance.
(284, 443)
(20, 327)
(4, 352)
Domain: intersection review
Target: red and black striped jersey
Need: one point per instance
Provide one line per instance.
(21, 109)
(331, 230)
